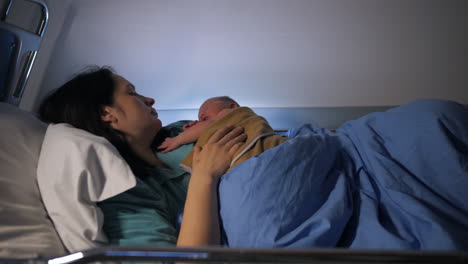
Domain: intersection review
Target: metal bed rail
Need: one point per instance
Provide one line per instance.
(231, 255)
(23, 47)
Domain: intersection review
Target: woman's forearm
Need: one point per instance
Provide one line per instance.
(200, 223)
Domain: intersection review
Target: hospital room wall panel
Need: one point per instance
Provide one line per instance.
(299, 54)
(286, 118)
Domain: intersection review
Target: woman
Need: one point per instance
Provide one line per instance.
(107, 105)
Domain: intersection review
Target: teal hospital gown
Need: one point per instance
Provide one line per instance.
(146, 215)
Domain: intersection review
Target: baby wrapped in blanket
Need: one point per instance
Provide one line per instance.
(218, 112)
(260, 136)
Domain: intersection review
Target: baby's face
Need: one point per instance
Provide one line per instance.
(209, 109)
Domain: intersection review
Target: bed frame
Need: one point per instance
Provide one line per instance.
(18, 50)
(222, 255)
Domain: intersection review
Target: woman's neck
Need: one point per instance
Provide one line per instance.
(143, 150)
(150, 157)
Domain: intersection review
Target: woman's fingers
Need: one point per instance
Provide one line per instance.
(230, 134)
(239, 139)
(220, 133)
(235, 148)
(228, 137)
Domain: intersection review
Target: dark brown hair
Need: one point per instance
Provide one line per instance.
(80, 101)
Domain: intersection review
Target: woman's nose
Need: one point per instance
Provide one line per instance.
(149, 101)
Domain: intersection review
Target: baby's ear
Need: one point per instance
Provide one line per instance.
(233, 105)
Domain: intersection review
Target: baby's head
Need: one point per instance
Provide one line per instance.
(213, 106)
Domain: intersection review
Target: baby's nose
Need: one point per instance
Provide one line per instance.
(202, 117)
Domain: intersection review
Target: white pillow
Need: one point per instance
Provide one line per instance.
(76, 169)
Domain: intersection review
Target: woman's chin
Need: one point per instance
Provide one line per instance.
(157, 125)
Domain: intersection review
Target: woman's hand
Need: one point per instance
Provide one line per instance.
(214, 159)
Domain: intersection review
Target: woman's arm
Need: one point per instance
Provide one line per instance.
(200, 224)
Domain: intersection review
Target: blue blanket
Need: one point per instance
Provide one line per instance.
(389, 180)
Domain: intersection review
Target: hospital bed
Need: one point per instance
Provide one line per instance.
(218, 255)
(27, 233)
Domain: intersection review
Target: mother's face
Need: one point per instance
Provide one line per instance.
(131, 112)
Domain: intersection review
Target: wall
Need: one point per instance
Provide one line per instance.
(270, 53)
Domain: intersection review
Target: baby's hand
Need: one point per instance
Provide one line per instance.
(189, 125)
(169, 144)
